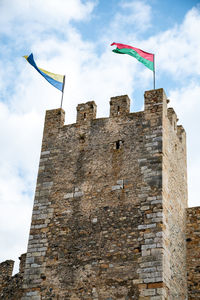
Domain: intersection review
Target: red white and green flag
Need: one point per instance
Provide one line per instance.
(144, 57)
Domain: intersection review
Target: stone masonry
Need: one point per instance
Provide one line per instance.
(11, 286)
(193, 249)
(110, 211)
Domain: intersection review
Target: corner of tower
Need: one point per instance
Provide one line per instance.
(54, 119)
(155, 101)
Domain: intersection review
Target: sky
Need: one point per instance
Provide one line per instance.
(73, 37)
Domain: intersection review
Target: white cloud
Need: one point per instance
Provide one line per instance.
(132, 19)
(186, 103)
(15, 212)
(138, 15)
(40, 15)
(177, 50)
(20, 137)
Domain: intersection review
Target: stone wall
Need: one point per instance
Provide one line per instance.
(11, 286)
(22, 259)
(193, 252)
(98, 229)
(174, 207)
(6, 269)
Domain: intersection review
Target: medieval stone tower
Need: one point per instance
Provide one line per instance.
(109, 217)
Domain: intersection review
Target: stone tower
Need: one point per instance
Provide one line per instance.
(109, 215)
(110, 218)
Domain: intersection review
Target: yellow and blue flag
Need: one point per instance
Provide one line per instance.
(56, 80)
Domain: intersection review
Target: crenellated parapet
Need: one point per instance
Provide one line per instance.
(86, 112)
(6, 269)
(155, 110)
(11, 285)
(119, 106)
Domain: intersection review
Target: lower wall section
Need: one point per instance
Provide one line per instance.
(193, 252)
(105, 253)
(12, 290)
(11, 286)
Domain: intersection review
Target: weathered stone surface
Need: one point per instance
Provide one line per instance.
(12, 290)
(11, 286)
(193, 252)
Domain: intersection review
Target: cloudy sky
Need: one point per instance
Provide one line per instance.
(73, 37)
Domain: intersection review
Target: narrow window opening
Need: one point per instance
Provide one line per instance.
(84, 116)
(118, 110)
(118, 144)
(82, 138)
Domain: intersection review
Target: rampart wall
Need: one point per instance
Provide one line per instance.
(11, 286)
(193, 252)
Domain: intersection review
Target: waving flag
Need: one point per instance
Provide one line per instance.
(144, 57)
(56, 80)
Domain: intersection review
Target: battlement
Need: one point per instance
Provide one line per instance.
(6, 269)
(86, 112)
(119, 106)
(155, 104)
(11, 285)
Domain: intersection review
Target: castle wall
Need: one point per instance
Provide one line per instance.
(174, 207)
(193, 252)
(171, 246)
(11, 286)
(6, 269)
(103, 225)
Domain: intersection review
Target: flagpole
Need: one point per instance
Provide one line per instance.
(62, 91)
(154, 79)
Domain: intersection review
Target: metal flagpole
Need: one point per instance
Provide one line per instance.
(62, 91)
(154, 79)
